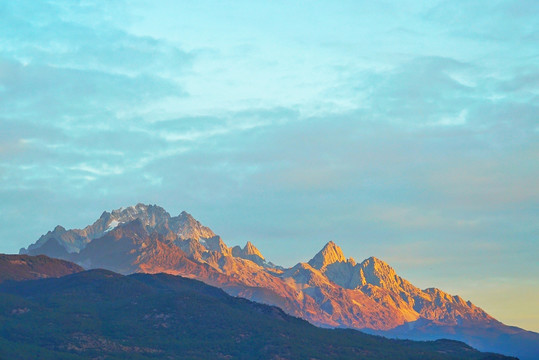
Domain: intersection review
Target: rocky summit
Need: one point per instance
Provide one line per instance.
(329, 290)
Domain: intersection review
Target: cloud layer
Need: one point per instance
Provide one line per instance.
(403, 131)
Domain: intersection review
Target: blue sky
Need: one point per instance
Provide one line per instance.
(406, 130)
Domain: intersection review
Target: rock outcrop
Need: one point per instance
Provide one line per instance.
(328, 290)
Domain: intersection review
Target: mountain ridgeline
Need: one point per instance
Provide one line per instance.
(24, 267)
(329, 290)
(99, 314)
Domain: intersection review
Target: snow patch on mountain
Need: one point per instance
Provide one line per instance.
(112, 225)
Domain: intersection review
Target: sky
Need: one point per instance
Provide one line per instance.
(405, 130)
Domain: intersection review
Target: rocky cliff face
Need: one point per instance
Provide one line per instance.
(153, 218)
(330, 254)
(329, 290)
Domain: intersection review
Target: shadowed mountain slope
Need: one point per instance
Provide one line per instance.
(101, 314)
(329, 290)
(24, 267)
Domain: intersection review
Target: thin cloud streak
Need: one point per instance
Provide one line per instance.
(381, 127)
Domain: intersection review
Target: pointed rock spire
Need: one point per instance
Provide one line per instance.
(187, 227)
(330, 254)
(250, 252)
(59, 229)
(377, 272)
(250, 249)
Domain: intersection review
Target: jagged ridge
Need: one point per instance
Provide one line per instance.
(329, 290)
(153, 217)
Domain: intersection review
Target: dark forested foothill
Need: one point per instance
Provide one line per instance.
(99, 314)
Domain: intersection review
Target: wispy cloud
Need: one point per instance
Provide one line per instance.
(385, 127)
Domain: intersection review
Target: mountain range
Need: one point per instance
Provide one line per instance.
(330, 290)
(99, 314)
